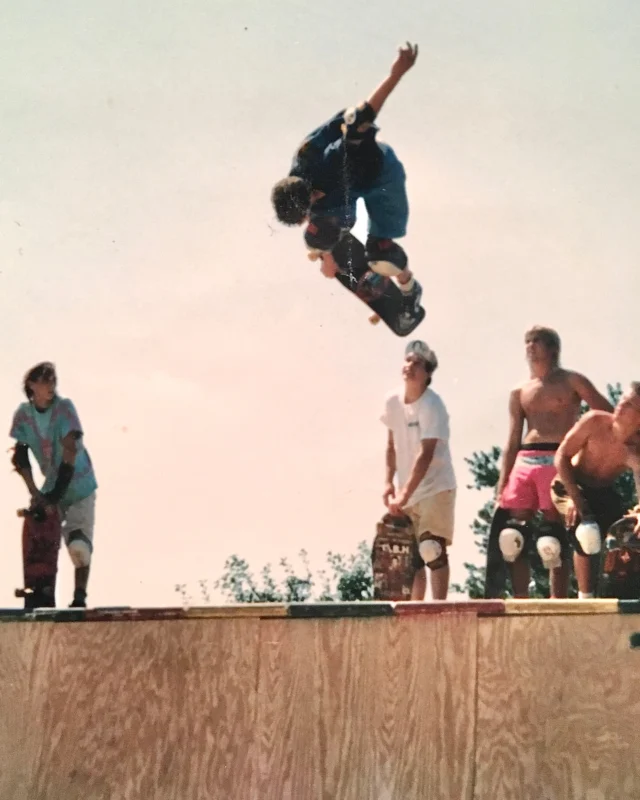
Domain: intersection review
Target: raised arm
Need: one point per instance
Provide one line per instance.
(405, 60)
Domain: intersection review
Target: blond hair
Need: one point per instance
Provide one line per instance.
(548, 336)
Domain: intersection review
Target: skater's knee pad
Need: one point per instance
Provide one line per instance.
(385, 257)
(80, 549)
(433, 553)
(550, 551)
(511, 543)
(356, 117)
(588, 539)
(322, 234)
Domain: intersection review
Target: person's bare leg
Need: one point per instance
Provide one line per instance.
(440, 583)
(520, 570)
(559, 580)
(583, 568)
(558, 577)
(419, 588)
(520, 577)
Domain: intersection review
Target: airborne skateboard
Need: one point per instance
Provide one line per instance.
(620, 576)
(41, 536)
(395, 558)
(381, 294)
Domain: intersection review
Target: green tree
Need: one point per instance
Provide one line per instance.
(485, 471)
(345, 578)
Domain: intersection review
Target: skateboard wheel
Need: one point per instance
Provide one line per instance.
(374, 319)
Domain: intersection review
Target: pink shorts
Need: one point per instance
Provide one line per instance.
(529, 484)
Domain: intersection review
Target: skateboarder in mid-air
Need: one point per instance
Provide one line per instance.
(340, 162)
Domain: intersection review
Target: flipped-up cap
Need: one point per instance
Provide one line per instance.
(422, 351)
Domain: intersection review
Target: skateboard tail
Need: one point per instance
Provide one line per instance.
(41, 541)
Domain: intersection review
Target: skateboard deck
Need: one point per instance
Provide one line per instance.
(620, 575)
(381, 294)
(395, 558)
(41, 538)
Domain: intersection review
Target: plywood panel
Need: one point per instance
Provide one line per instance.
(314, 722)
(370, 708)
(23, 667)
(161, 710)
(558, 709)
(425, 706)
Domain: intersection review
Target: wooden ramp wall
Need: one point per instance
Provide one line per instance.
(523, 700)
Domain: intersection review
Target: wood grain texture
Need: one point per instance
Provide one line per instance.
(560, 606)
(558, 709)
(161, 710)
(360, 709)
(23, 692)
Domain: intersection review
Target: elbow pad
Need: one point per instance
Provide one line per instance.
(20, 459)
(65, 473)
(358, 115)
(322, 234)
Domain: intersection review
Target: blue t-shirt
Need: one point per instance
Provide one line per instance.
(42, 432)
(335, 165)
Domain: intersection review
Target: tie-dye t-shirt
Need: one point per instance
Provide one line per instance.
(43, 432)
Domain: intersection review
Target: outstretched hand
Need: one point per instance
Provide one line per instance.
(405, 59)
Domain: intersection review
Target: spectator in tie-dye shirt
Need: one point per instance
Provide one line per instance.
(48, 425)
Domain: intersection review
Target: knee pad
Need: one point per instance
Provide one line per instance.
(433, 554)
(550, 551)
(385, 257)
(322, 234)
(511, 543)
(588, 539)
(80, 549)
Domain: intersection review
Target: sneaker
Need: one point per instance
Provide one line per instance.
(411, 300)
(79, 599)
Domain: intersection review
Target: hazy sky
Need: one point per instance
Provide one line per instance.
(230, 394)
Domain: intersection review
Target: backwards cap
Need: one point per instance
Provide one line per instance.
(422, 351)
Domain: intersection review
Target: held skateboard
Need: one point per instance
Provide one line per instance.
(41, 537)
(620, 576)
(395, 558)
(378, 292)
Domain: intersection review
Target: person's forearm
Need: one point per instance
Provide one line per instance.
(567, 476)
(22, 466)
(636, 481)
(27, 477)
(418, 471)
(390, 464)
(381, 92)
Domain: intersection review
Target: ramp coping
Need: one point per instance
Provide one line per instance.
(326, 610)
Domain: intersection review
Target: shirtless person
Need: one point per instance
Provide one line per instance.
(597, 449)
(549, 402)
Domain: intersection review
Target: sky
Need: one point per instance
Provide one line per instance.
(230, 394)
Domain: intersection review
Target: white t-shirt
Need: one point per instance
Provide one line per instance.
(427, 418)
